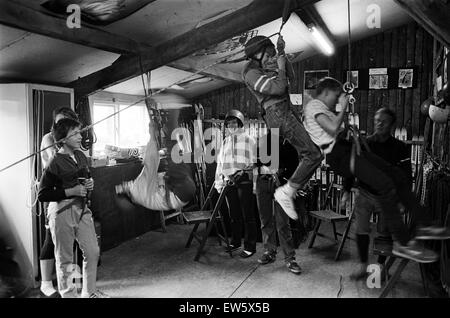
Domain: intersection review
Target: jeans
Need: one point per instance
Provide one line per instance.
(386, 181)
(366, 205)
(273, 219)
(240, 204)
(281, 116)
(73, 223)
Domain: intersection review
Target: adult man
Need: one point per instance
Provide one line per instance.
(393, 151)
(270, 87)
(235, 161)
(388, 182)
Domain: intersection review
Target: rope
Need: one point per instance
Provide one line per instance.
(139, 101)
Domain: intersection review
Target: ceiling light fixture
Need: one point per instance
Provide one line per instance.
(321, 40)
(318, 29)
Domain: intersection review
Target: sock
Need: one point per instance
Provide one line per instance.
(47, 288)
(362, 241)
(289, 190)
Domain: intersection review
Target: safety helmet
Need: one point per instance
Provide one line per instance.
(424, 108)
(439, 115)
(234, 113)
(257, 44)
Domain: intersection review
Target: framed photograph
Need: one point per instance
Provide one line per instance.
(405, 77)
(354, 78)
(310, 81)
(312, 77)
(378, 78)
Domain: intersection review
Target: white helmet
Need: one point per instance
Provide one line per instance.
(439, 115)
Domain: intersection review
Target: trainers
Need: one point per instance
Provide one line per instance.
(246, 254)
(286, 202)
(294, 267)
(267, 258)
(231, 248)
(433, 233)
(98, 294)
(414, 252)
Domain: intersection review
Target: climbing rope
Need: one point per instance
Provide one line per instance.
(349, 88)
(286, 10)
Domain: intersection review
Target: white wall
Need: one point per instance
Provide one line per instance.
(16, 221)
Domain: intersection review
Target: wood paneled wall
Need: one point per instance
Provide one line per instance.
(405, 46)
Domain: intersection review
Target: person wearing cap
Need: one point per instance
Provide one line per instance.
(235, 161)
(269, 84)
(386, 181)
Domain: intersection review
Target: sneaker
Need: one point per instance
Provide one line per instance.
(414, 252)
(231, 248)
(286, 202)
(433, 233)
(246, 254)
(98, 294)
(294, 267)
(267, 258)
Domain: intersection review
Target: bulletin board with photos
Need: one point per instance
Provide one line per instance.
(378, 78)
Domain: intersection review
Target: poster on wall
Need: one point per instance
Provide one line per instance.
(354, 78)
(296, 99)
(405, 77)
(310, 81)
(378, 78)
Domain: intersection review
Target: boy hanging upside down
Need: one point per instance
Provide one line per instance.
(171, 190)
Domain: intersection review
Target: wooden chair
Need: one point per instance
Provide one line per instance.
(384, 247)
(210, 218)
(333, 217)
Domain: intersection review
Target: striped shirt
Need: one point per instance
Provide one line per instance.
(269, 86)
(238, 152)
(318, 135)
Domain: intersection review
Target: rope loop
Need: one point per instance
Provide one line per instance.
(349, 87)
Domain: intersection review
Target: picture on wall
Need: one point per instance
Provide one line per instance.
(310, 81)
(405, 77)
(378, 78)
(354, 78)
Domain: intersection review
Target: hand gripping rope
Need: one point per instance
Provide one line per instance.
(286, 13)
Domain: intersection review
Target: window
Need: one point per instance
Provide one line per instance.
(127, 129)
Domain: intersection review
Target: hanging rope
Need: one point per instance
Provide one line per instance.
(348, 88)
(222, 60)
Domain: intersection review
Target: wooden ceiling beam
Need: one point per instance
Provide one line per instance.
(190, 65)
(17, 15)
(258, 13)
(432, 15)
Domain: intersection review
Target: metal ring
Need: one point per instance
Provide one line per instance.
(348, 87)
(351, 99)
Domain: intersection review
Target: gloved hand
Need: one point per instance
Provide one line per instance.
(281, 45)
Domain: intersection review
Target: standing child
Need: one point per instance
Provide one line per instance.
(69, 217)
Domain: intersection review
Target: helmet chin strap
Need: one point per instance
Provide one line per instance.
(261, 58)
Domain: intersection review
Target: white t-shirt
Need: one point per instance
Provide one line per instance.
(318, 135)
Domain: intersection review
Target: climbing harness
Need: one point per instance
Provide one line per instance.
(222, 60)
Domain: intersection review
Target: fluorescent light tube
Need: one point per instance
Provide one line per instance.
(322, 41)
